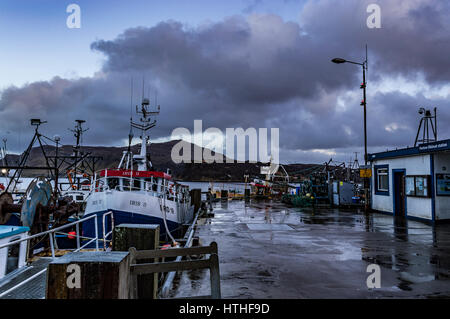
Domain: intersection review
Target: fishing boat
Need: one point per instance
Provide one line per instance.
(134, 192)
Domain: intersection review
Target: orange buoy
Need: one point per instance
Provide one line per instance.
(71, 235)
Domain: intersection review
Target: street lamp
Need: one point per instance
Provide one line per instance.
(363, 103)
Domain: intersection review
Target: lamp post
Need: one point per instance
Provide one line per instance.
(363, 103)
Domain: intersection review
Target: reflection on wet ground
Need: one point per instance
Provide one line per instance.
(267, 250)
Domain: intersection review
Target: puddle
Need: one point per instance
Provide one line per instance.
(272, 227)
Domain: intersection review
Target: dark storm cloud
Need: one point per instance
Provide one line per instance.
(60, 102)
(260, 71)
(392, 122)
(255, 61)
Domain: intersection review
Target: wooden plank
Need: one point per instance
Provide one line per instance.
(138, 269)
(133, 277)
(175, 252)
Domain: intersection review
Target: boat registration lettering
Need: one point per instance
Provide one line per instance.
(138, 203)
(135, 203)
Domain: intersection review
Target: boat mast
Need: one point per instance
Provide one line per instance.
(147, 123)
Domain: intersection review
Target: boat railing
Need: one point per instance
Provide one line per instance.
(58, 230)
(105, 235)
(171, 191)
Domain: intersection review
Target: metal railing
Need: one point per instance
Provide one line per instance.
(52, 233)
(178, 193)
(104, 228)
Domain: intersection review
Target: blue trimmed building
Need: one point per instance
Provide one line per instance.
(413, 182)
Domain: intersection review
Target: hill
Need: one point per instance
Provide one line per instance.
(160, 155)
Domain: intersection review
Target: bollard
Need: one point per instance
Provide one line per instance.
(141, 237)
(224, 194)
(196, 199)
(89, 275)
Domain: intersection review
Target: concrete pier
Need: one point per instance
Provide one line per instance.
(268, 250)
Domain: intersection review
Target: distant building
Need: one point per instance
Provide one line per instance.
(413, 182)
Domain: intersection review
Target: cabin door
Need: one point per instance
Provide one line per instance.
(399, 193)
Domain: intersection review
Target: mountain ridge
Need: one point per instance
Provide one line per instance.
(160, 156)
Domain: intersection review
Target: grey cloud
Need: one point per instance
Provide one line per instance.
(414, 35)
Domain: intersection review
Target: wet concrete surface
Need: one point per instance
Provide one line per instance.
(268, 250)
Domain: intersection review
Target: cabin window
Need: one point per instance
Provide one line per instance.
(12, 263)
(113, 183)
(417, 186)
(382, 180)
(126, 184)
(137, 184)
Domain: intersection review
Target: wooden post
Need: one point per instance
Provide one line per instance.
(224, 194)
(214, 272)
(139, 237)
(215, 277)
(133, 277)
(89, 275)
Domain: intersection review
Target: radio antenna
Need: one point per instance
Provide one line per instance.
(131, 99)
(367, 64)
(143, 86)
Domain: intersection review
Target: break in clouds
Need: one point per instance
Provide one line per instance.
(259, 70)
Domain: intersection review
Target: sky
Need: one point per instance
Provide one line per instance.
(231, 64)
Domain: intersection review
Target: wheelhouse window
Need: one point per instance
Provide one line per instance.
(137, 183)
(417, 186)
(126, 184)
(113, 182)
(382, 180)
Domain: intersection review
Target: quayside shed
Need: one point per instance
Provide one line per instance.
(413, 182)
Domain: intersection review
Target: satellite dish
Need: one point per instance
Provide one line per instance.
(38, 192)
